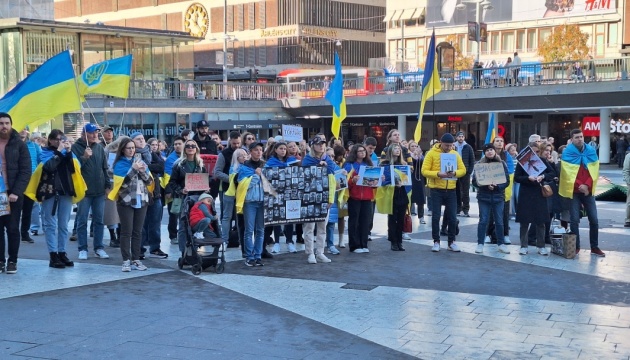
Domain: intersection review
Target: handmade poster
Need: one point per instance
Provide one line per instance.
(448, 163)
(401, 175)
(197, 182)
(209, 161)
(370, 176)
(292, 133)
(490, 173)
(5, 207)
(341, 179)
(300, 194)
(530, 162)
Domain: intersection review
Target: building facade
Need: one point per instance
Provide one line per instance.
(268, 35)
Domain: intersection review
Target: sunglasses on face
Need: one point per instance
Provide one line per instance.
(190, 146)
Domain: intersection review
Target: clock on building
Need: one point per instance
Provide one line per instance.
(196, 20)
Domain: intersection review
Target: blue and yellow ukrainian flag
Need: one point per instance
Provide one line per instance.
(49, 91)
(80, 187)
(121, 168)
(491, 134)
(110, 77)
(336, 98)
(430, 84)
(572, 159)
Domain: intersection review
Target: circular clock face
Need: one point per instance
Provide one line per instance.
(196, 20)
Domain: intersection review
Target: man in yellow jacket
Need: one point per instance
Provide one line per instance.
(441, 173)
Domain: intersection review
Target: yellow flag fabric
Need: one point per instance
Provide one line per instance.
(231, 191)
(80, 187)
(110, 77)
(336, 98)
(241, 192)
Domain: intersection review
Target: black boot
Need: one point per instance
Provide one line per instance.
(394, 246)
(63, 257)
(55, 262)
(400, 246)
(114, 241)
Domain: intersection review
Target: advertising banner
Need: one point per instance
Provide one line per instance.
(442, 13)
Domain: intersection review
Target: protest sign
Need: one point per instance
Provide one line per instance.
(401, 175)
(197, 182)
(209, 161)
(530, 162)
(490, 173)
(342, 180)
(292, 133)
(370, 176)
(448, 163)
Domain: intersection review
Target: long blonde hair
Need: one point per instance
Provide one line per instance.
(183, 157)
(389, 155)
(235, 163)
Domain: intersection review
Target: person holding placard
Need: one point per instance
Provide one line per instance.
(443, 188)
(188, 163)
(392, 198)
(532, 207)
(491, 195)
(359, 200)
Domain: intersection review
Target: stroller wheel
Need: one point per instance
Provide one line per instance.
(220, 268)
(196, 269)
(180, 263)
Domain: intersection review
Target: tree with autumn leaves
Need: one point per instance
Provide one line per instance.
(566, 43)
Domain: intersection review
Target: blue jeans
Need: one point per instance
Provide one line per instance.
(227, 212)
(202, 226)
(56, 226)
(330, 234)
(591, 212)
(97, 204)
(485, 207)
(35, 217)
(448, 198)
(254, 214)
(152, 227)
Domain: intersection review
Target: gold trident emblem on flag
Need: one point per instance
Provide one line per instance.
(94, 73)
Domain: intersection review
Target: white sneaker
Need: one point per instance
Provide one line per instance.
(322, 258)
(311, 259)
(504, 249)
(342, 245)
(487, 240)
(454, 248)
(276, 248)
(137, 265)
(198, 235)
(429, 213)
(126, 266)
(83, 255)
(479, 249)
(333, 250)
(523, 251)
(102, 254)
(406, 236)
(357, 251)
(436, 247)
(506, 240)
(291, 247)
(543, 251)
(366, 250)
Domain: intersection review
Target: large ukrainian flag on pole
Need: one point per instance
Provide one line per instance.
(110, 77)
(430, 84)
(336, 98)
(49, 91)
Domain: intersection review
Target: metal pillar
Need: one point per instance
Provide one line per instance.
(402, 127)
(604, 136)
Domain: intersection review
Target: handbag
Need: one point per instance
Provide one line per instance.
(176, 206)
(546, 190)
(407, 226)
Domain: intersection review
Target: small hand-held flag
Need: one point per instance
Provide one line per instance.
(48, 91)
(430, 84)
(110, 77)
(336, 98)
(491, 134)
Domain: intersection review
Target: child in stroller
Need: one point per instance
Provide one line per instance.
(202, 215)
(212, 238)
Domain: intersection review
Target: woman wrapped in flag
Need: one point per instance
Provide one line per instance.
(133, 185)
(393, 199)
(360, 200)
(57, 183)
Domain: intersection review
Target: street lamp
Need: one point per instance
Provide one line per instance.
(479, 5)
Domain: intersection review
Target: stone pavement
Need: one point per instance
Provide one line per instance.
(382, 305)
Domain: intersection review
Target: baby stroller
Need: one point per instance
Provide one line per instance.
(191, 255)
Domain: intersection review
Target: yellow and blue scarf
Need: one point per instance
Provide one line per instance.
(572, 160)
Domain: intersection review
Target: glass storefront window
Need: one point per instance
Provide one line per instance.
(11, 60)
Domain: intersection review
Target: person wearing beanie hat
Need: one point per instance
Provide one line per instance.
(202, 215)
(442, 180)
(135, 134)
(463, 184)
(491, 199)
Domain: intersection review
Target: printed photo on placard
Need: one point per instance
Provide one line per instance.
(448, 163)
(370, 176)
(530, 162)
(401, 175)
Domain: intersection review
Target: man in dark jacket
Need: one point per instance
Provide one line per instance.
(204, 140)
(463, 184)
(93, 161)
(16, 172)
(622, 146)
